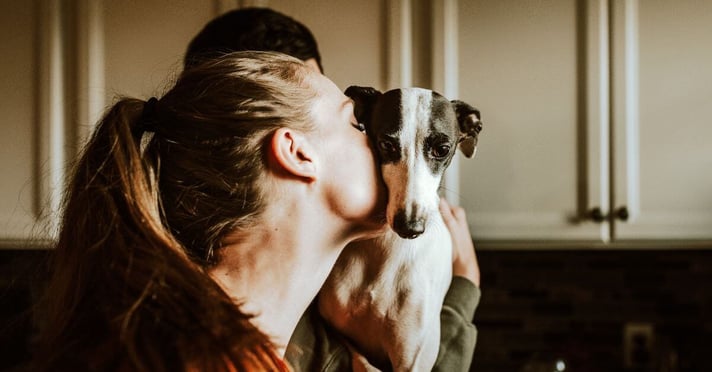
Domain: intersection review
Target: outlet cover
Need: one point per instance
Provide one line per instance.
(638, 340)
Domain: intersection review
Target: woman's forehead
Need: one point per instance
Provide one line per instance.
(327, 92)
(329, 104)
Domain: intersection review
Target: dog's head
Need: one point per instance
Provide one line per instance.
(415, 133)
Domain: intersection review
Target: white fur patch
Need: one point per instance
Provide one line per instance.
(410, 182)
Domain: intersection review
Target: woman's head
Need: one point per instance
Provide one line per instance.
(215, 131)
(209, 141)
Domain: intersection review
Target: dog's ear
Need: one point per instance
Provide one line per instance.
(469, 121)
(364, 98)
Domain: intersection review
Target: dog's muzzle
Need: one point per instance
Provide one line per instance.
(408, 228)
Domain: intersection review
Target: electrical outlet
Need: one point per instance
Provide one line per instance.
(638, 345)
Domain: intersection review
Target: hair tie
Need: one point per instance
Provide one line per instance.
(148, 116)
(147, 124)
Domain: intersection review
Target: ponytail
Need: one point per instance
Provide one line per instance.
(124, 291)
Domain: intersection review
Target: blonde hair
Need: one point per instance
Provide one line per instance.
(140, 225)
(216, 121)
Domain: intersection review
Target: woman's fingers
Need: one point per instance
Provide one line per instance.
(446, 211)
(463, 250)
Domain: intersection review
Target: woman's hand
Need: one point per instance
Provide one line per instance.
(464, 260)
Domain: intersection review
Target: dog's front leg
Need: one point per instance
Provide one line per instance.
(419, 355)
(414, 334)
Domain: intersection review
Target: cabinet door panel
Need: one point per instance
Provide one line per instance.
(17, 73)
(665, 178)
(525, 65)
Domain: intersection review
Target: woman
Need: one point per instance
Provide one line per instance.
(198, 227)
(314, 346)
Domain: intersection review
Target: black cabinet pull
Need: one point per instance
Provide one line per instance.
(622, 213)
(597, 215)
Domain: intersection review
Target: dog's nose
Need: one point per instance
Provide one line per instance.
(408, 228)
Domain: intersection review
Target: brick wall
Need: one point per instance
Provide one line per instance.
(21, 279)
(539, 306)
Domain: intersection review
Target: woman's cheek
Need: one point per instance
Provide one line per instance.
(360, 190)
(374, 191)
(365, 190)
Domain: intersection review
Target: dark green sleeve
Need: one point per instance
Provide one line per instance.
(315, 346)
(458, 335)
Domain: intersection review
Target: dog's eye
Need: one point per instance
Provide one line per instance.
(387, 146)
(359, 126)
(440, 151)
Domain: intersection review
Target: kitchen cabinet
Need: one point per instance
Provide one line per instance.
(662, 121)
(68, 61)
(596, 112)
(30, 111)
(64, 62)
(597, 117)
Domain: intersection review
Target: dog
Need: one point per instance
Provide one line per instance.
(385, 294)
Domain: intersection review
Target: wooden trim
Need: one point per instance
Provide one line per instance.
(90, 68)
(564, 245)
(51, 139)
(399, 53)
(534, 226)
(597, 108)
(445, 75)
(444, 54)
(227, 5)
(625, 110)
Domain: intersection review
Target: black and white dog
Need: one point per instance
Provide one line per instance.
(386, 294)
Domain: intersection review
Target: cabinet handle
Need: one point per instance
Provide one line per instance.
(622, 213)
(597, 215)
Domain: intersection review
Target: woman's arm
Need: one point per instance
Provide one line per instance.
(458, 335)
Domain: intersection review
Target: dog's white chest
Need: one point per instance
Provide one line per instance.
(425, 263)
(387, 293)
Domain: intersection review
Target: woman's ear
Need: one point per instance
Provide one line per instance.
(293, 153)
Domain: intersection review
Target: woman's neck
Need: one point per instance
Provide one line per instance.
(277, 268)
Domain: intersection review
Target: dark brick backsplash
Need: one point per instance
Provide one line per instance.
(540, 306)
(537, 306)
(21, 279)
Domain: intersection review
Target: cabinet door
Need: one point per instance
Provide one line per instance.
(662, 78)
(537, 71)
(16, 190)
(62, 62)
(31, 153)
